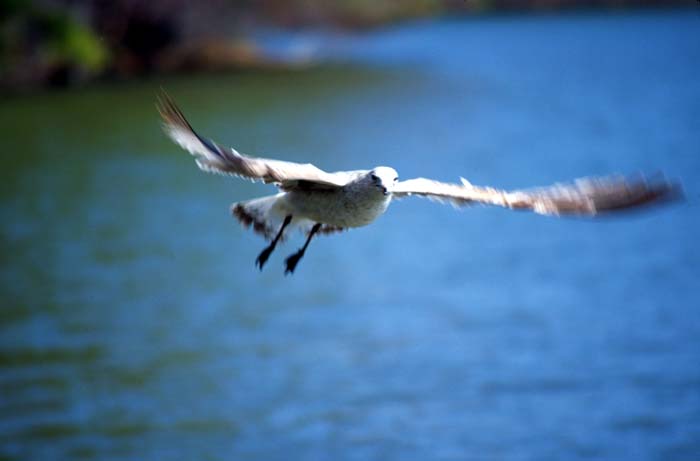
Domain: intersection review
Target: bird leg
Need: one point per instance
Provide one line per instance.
(262, 257)
(292, 261)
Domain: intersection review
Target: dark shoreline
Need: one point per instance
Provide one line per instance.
(222, 53)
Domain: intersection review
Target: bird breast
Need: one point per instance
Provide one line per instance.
(348, 206)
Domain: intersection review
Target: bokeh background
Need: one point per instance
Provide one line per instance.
(133, 322)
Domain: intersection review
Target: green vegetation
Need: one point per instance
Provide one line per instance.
(44, 45)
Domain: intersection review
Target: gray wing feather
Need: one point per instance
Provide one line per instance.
(214, 158)
(586, 196)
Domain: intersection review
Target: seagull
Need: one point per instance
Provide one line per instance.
(319, 202)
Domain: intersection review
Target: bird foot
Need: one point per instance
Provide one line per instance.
(263, 256)
(292, 261)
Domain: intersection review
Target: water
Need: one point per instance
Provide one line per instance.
(134, 324)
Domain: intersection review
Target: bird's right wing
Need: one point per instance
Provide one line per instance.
(586, 196)
(214, 158)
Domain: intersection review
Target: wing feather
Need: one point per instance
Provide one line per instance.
(585, 196)
(214, 158)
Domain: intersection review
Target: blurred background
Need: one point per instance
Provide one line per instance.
(134, 324)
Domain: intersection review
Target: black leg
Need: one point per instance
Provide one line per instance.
(262, 257)
(292, 261)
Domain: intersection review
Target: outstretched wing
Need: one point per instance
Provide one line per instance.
(214, 158)
(586, 196)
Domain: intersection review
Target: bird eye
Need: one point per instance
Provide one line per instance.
(374, 177)
(396, 179)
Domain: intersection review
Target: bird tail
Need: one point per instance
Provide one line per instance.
(264, 214)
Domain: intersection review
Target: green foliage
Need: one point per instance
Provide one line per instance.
(77, 44)
(35, 40)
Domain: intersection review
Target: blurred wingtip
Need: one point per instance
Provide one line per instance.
(663, 189)
(671, 191)
(170, 113)
(649, 191)
(162, 100)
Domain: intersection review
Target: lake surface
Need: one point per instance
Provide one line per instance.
(134, 324)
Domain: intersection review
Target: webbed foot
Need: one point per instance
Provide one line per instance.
(263, 256)
(292, 261)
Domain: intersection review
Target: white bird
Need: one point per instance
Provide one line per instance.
(320, 202)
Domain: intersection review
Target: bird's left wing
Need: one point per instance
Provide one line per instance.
(586, 196)
(214, 158)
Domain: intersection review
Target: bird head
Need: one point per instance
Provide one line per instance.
(384, 178)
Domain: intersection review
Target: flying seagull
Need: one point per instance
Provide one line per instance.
(317, 201)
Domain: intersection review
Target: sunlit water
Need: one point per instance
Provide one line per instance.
(134, 324)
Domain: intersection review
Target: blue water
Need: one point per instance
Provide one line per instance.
(134, 324)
